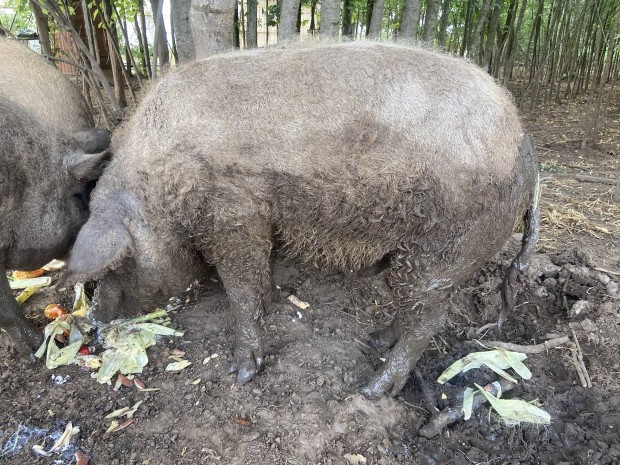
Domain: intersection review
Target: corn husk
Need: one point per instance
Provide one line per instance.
(516, 411)
(497, 360)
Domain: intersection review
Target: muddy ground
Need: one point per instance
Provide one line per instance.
(304, 408)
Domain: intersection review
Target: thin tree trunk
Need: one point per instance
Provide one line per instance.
(43, 27)
(466, 28)
(312, 28)
(179, 11)
(173, 39)
(130, 60)
(160, 42)
(251, 33)
(514, 45)
(267, 23)
(237, 25)
(115, 55)
(443, 23)
(89, 29)
(128, 56)
(592, 128)
(474, 50)
(410, 19)
(347, 26)
(430, 21)
(488, 49)
(330, 18)
(145, 41)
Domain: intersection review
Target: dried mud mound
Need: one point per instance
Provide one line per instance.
(303, 407)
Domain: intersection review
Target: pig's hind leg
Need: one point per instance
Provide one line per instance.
(421, 296)
(243, 262)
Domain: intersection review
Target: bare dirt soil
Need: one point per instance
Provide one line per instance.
(304, 406)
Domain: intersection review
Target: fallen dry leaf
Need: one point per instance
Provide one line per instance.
(297, 302)
(125, 381)
(178, 366)
(81, 458)
(242, 421)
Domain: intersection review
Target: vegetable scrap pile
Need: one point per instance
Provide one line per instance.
(67, 337)
(125, 343)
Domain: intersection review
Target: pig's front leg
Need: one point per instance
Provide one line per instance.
(25, 336)
(246, 302)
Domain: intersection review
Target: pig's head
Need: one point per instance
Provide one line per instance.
(45, 182)
(137, 260)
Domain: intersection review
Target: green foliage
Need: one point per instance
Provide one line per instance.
(15, 16)
(273, 15)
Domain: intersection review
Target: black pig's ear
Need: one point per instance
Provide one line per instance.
(92, 140)
(88, 167)
(102, 245)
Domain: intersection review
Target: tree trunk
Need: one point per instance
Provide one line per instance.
(43, 28)
(430, 21)
(443, 23)
(590, 134)
(330, 18)
(410, 19)
(474, 51)
(287, 28)
(145, 41)
(514, 45)
(212, 23)
(347, 26)
(374, 28)
(312, 28)
(179, 11)
(128, 56)
(160, 42)
(89, 29)
(237, 26)
(466, 28)
(488, 49)
(251, 32)
(115, 62)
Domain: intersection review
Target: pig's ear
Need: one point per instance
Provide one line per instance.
(88, 167)
(102, 245)
(92, 140)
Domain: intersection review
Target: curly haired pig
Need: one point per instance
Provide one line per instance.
(342, 154)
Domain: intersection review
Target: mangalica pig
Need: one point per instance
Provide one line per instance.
(44, 177)
(340, 155)
(26, 78)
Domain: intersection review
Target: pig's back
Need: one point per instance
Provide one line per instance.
(382, 108)
(27, 79)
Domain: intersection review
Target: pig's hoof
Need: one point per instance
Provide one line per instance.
(247, 363)
(388, 380)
